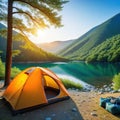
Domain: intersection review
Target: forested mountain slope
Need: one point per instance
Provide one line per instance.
(81, 47)
(109, 50)
(28, 51)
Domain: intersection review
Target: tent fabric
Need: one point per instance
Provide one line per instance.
(27, 89)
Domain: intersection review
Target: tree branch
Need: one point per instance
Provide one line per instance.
(35, 20)
(46, 11)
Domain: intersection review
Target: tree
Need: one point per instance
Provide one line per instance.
(34, 14)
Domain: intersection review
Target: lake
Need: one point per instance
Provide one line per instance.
(95, 74)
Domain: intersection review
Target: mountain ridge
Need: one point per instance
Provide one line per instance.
(27, 54)
(95, 36)
(55, 46)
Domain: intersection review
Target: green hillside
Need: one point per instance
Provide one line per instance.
(81, 47)
(28, 51)
(109, 50)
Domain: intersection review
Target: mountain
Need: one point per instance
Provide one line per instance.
(28, 51)
(80, 47)
(109, 50)
(56, 46)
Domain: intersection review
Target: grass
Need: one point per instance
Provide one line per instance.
(71, 84)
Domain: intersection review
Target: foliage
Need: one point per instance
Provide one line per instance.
(37, 14)
(70, 84)
(15, 52)
(34, 18)
(109, 51)
(116, 81)
(81, 47)
(27, 52)
(2, 69)
(14, 70)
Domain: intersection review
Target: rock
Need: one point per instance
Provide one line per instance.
(77, 90)
(74, 109)
(93, 114)
(53, 115)
(69, 89)
(83, 101)
(104, 86)
(1, 97)
(114, 91)
(73, 89)
(48, 118)
(100, 93)
(119, 90)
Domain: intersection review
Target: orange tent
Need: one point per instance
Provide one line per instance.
(34, 86)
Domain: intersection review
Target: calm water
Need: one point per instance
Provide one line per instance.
(96, 74)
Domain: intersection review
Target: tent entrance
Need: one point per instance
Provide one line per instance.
(51, 87)
(51, 92)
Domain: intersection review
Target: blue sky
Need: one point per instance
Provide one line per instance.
(78, 17)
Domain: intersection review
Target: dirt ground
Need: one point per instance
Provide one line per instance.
(88, 105)
(81, 106)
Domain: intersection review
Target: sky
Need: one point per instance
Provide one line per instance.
(78, 17)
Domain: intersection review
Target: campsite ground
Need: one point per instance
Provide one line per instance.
(88, 105)
(81, 106)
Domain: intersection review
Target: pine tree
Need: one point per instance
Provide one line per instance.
(26, 16)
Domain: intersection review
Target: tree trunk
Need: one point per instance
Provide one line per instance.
(9, 44)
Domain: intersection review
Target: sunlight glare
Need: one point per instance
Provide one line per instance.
(40, 33)
(40, 36)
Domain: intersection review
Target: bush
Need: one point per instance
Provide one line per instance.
(2, 69)
(70, 84)
(116, 81)
(14, 70)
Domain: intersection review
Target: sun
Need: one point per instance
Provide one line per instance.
(40, 36)
(40, 33)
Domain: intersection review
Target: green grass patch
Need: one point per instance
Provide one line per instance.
(116, 81)
(71, 84)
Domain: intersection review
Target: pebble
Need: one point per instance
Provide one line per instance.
(1, 97)
(83, 101)
(53, 115)
(74, 110)
(93, 114)
(48, 118)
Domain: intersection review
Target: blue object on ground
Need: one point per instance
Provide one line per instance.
(113, 108)
(103, 102)
(111, 104)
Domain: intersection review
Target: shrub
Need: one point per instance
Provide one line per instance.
(2, 69)
(70, 84)
(14, 70)
(116, 81)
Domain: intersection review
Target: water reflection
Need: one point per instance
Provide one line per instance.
(96, 74)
